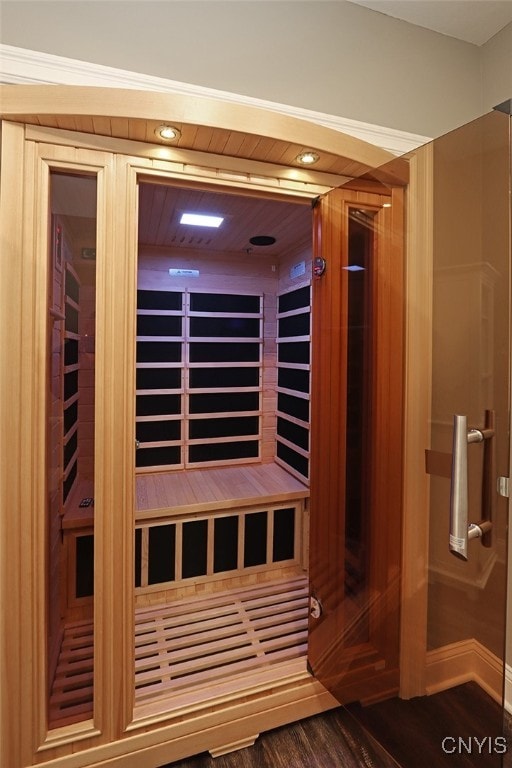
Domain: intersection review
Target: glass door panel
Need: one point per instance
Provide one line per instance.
(356, 443)
(361, 239)
(70, 430)
(355, 470)
(470, 389)
(470, 375)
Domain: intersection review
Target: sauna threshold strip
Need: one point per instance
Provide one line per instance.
(187, 645)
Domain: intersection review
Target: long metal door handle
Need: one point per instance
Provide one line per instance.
(460, 531)
(459, 489)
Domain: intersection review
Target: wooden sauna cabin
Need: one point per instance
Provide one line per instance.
(222, 372)
(209, 416)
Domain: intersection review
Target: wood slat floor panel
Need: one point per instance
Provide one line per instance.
(189, 643)
(72, 692)
(183, 646)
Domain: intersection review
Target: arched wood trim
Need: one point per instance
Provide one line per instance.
(19, 103)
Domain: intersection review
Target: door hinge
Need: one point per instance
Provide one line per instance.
(315, 607)
(503, 490)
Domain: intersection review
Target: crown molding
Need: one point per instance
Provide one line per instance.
(23, 66)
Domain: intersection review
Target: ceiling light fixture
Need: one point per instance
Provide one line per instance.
(308, 158)
(168, 132)
(201, 220)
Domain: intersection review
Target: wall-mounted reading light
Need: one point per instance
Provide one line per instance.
(308, 158)
(168, 132)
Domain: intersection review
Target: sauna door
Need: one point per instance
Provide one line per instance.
(468, 457)
(356, 440)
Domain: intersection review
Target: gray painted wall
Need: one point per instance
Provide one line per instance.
(497, 69)
(326, 55)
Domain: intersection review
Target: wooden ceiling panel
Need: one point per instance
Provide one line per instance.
(160, 209)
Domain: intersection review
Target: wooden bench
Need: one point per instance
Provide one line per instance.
(232, 525)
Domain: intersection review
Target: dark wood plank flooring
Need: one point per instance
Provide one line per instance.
(458, 728)
(409, 734)
(330, 740)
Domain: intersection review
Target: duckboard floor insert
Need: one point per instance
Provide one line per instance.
(208, 641)
(192, 650)
(71, 698)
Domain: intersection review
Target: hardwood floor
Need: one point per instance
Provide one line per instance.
(411, 734)
(458, 728)
(331, 740)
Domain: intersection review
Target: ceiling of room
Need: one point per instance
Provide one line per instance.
(161, 206)
(474, 21)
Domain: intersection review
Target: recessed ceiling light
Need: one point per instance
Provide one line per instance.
(308, 158)
(201, 220)
(168, 132)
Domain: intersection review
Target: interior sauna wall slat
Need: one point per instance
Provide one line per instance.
(155, 405)
(87, 327)
(70, 376)
(293, 370)
(58, 456)
(210, 346)
(159, 406)
(216, 545)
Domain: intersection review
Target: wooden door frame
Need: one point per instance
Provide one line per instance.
(416, 428)
(19, 104)
(365, 669)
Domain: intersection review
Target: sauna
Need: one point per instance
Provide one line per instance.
(222, 380)
(212, 425)
(222, 414)
(216, 513)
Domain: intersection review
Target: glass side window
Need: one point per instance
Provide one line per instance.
(70, 446)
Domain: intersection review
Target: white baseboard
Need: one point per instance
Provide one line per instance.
(461, 662)
(23, 66)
